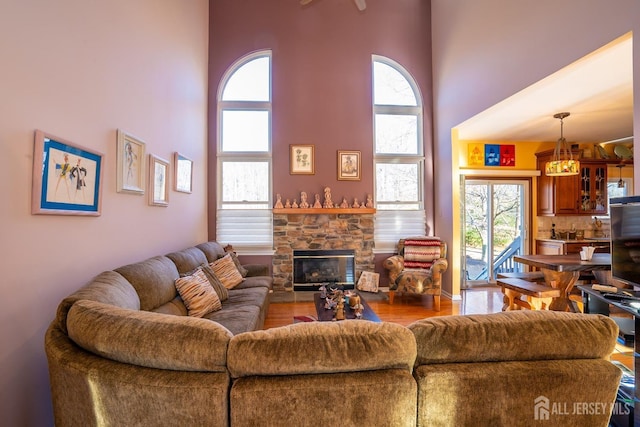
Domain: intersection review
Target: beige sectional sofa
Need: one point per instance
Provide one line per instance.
(122, 351)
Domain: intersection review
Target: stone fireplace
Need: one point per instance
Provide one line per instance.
(320, 229)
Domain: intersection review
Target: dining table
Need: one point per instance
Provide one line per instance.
(563, 271)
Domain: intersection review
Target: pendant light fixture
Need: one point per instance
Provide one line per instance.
(620, 181)
(562, 163)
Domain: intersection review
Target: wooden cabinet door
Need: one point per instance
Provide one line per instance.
(546, 190)
(549, 248)
(567, 189)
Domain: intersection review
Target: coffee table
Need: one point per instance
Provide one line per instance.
(325, 315)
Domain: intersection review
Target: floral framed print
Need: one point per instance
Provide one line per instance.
(182, 173)
(67, 178)
(158, 181)
(130, 164)
(349, 165)
(302, 159)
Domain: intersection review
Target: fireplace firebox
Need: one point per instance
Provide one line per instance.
(314, 268)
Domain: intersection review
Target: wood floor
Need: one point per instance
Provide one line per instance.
(405, 309)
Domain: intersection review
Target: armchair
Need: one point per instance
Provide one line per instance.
(418, 267)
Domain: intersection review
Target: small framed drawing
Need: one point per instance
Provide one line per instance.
(301, 159)
(368, 281)
(158, 181)
(182, 173)
(130, 164)
(349, 165)
(67, 178)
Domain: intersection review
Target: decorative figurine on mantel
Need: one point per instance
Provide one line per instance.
(278, 204)
(303, 200)
(355, 203)
(294, 205)
(369, 203)
(344, 204)
(287, 204)
(328, 203)
(317, 204)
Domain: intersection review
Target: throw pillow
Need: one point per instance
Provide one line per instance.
(243, 271)
(226, 271)
(197, 294)
(222, 292)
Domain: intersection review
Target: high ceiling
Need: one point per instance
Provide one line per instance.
(597, 90)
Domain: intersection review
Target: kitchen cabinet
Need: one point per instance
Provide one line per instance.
(565, 247)
(582, 194)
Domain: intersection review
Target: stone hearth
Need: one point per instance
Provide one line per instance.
(320, 231)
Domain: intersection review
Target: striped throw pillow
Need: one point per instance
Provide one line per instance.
(420, 253)
(197, 294)
(222, 292)
(226, 271)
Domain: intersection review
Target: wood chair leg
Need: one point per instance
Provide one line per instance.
(436, 302)
(391, 295)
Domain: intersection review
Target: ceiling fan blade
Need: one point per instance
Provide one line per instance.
(361, 4)
(303, 2)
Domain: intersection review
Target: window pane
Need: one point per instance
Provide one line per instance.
(245, 130)
(249, 82)
(245, 182)
(396, 134)
(390, 87)
(396, 182)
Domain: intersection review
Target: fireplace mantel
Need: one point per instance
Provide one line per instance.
(321, 211)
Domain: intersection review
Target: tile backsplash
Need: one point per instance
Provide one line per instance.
(566, 223)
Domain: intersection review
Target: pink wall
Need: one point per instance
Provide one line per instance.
(321, 79)
(485, 51)
(80, 70)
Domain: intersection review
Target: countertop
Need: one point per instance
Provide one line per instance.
(586, 240)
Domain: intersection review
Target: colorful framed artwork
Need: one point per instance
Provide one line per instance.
(349, 165)
(158, 181)
(130, 175)
(475, 154)
(492, 155)
(182, 173)
(507, 155)
(67, 178)
(301, 159)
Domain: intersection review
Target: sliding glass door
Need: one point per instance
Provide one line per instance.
(495, 226)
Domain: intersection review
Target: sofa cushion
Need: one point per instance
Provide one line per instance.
(226, 271)
(197, 293)
(255, 282)
(153, 280)
(322, 347)
(108, 287)
(499, 337)
(237, 318)
(212, 250)
(188, 259)
(148, 339)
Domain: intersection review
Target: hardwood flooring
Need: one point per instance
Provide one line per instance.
(406, 308)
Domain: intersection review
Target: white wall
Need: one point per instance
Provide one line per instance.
(80, 70)
(485, 51)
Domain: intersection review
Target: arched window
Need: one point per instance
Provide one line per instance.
(244, 155)
(398, 153)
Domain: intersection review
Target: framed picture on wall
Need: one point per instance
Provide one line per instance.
(67, 178)
(301, 159)
(158, 181)
(349, 165)
(130, 164)
(182, 173)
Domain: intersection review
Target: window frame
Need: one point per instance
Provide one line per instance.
(384, 242)
(230, 156)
